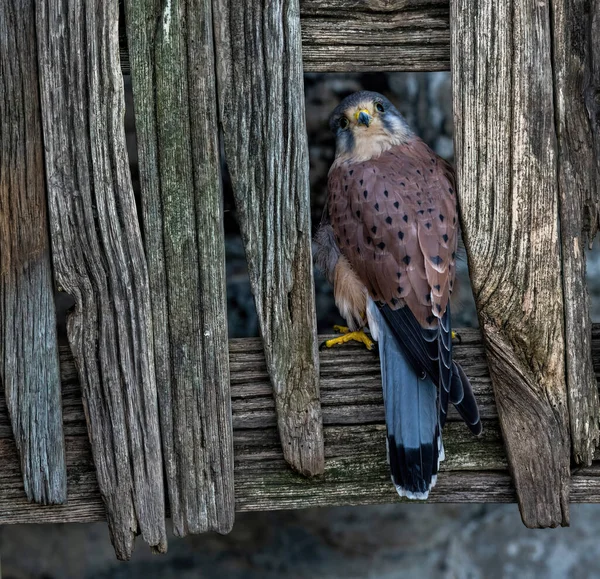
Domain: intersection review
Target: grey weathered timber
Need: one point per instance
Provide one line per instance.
(579, 190)
(370, 35)
(177, 135)
(99, 260)
(261, 100)
(506, 154)
(475, 469)
(29, 372)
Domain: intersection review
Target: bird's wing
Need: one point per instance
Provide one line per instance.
(395, 221)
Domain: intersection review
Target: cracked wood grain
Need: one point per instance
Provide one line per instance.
(369, 35)
(177, 135)
(29, 371)
(506, 150)
(99, 260)
(356, 471)
(261, 100)
(574, 48)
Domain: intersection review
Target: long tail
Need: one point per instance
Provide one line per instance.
(411, 414)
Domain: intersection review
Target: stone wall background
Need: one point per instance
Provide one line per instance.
(381, 542)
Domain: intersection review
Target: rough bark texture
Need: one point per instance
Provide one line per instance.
(370, 35)
(579, 197)
(506, 153)
(99, 260)
(356, 472)
(177, 134)
(29, 370)
(262, 112)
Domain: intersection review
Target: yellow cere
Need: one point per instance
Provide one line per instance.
(361, 111)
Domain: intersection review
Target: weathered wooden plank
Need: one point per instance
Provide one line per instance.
(579, 198)
(355, 465)
(176, 123)
(28, 349)
(369, 36)
(375, 35)
(507, 171)
(261, 100)
(99, 260)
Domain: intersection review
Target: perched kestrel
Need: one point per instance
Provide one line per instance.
(388, 246)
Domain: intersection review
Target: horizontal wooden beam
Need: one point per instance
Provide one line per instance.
(369, 36)
(356, 472)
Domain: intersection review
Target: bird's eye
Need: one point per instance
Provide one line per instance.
(344, 123)
(379, 107)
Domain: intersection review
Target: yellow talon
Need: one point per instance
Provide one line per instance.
(348, 336)
(454, 334)
(341, 329)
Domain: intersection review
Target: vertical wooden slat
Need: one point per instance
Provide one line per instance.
(259, 66)
(507, 170)
(99, 260)
(577, 177)
(28, 349)
(172, 62)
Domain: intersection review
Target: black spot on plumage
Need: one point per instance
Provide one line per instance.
(369, 240)
(399, 274)
(345, 187)
(365, 193)
(430, 210)
(438, 308)
(442, 218)
(361, 181)
(450, 190)
(400, 289)
(347, 241)
(351, 172)
(421, 211)
(433, 160)
(419, 172)
(454, 255)
(428, 297)
(358, 214)
(402, 183)
(357, 249)
(436, 260)
(374, 229)
(400, 235)
(406, 259)
(388, 220)
(431, 170)
(405, 218)
(386, 193)
(420, 203)
(428, 225)
(445, 237)
(376, 206)
(394, 301)
(437, 287)
(454, 220)
(381, 245)
(430, 319)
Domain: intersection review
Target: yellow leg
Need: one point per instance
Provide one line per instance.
(349, 336)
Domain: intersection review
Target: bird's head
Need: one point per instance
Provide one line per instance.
(365, 125)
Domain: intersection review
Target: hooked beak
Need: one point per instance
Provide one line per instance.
(363, 117)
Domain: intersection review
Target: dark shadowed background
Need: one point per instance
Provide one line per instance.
(390, 541)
